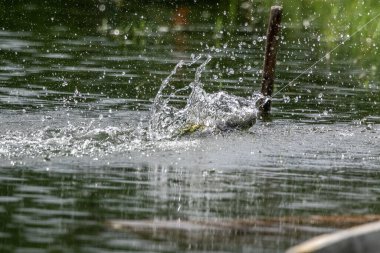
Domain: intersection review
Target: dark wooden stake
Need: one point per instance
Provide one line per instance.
(270, 55)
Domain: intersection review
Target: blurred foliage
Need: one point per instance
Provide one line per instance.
(329, 22)
(332, 22)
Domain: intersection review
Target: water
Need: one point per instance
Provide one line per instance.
(85, 167)
(202, 112)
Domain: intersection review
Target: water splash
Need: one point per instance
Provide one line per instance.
(88, 138)
(203, 112)
(82, 139)
(96, 137)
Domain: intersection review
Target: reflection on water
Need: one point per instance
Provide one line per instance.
(78, 173)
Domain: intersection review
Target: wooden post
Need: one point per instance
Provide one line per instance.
(270, 55)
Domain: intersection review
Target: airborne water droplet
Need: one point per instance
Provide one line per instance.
(286, 99)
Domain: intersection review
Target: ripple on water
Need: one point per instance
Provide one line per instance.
(76, 150)
(5, 235)
(10, 199)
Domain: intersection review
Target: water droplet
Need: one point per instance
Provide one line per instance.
(306, 23)
(286, 99)
(102, 7)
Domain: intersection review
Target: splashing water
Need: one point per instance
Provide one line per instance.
(203, 112)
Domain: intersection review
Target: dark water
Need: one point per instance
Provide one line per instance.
(76, 84)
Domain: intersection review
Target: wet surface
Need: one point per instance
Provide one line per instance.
(79, 173)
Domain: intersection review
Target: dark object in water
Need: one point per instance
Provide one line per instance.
(274, 28)
(287, 223)
(237, 231)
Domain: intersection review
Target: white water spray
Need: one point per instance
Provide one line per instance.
(203, 111)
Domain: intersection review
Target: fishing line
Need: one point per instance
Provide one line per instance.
(340, 44)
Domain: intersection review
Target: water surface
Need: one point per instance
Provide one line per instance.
(78, 80)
